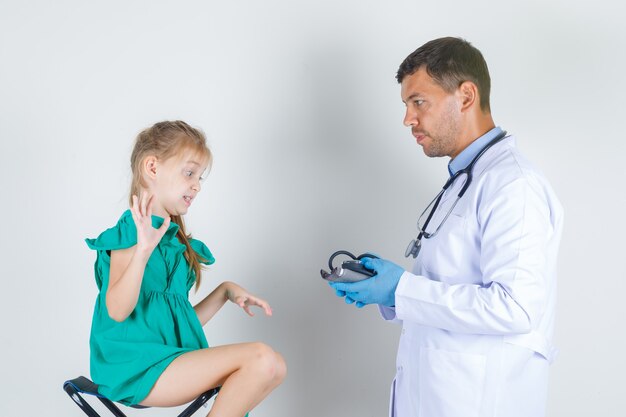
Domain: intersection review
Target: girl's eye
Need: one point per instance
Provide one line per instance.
(188, 173)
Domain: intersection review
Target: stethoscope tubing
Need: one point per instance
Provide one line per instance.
(414, 246)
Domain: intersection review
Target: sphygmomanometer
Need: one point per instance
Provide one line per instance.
(350, 270)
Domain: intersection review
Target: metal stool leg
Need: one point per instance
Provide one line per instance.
(198, 402)
(112, 407)
(79, 385)
(80, 401)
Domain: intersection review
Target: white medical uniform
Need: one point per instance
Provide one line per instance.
(477, 311)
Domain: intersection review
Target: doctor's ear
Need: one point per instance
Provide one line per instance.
(468, 95)
(149, 166)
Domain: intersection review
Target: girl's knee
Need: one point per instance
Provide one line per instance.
(269, 364)
(281, 368)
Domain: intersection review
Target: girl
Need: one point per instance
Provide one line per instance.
(147, 343)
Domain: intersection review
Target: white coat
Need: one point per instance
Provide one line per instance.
(477, 310)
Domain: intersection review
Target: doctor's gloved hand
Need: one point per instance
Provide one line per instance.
(342, 294)
(379, 289)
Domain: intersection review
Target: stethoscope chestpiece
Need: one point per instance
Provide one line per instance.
(413, 249)
(351, 270)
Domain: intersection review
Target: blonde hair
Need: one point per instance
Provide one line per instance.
(165, 140)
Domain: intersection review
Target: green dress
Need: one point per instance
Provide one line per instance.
(128, 357)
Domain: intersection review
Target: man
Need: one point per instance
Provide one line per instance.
(477, 310)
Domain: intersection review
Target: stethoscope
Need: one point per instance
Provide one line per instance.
(416, 244)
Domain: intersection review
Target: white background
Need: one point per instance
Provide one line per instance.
(299, 102)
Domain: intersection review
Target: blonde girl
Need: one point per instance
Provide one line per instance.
(147, 343)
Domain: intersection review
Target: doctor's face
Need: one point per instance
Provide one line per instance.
(432, 114)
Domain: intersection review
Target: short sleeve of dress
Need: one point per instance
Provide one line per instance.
(121, 236)
(204, 252)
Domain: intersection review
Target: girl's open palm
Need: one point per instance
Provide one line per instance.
(245, 300)
(147, 236)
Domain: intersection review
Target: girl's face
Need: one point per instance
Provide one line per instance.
(177, 181)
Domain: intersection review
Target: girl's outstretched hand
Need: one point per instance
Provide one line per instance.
(245, 300)
(147, 236)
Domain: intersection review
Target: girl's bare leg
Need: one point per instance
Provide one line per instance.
(247, 372)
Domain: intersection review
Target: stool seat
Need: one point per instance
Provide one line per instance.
(82, 385)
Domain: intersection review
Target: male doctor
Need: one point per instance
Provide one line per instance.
(477, 309)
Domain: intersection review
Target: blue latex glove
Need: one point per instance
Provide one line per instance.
(342, 294)
(379, 289)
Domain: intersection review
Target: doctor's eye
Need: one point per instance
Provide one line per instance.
(418, 102)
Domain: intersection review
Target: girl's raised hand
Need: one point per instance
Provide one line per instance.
(147, 236)
(245, 300)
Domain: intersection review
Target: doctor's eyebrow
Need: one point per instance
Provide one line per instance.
(412, 97)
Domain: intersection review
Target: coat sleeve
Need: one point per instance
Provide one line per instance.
(389, 314)
(514, 230)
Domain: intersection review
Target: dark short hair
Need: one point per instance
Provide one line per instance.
(450, 62)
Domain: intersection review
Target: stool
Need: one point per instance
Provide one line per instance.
(81, 385)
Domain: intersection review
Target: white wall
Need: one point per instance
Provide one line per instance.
(303, 113)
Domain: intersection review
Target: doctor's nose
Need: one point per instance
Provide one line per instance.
(410, 118)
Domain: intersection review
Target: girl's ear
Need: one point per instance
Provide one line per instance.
(150, 166)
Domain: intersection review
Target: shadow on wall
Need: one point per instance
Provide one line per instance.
(336, 353)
